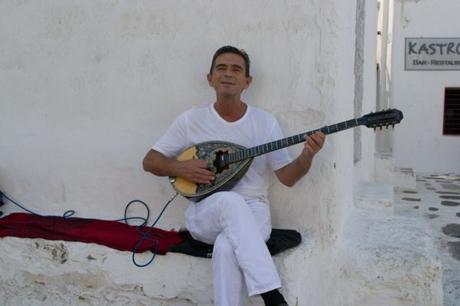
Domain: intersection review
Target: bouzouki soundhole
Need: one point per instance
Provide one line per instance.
(219, 164)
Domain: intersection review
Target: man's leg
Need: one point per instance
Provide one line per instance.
(227, 276)
(229, 214)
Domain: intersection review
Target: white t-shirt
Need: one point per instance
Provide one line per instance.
(256, 127)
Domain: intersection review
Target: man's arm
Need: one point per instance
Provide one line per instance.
(193, 170)
(294, 171)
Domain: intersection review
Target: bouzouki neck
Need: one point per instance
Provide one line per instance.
(372, 120)
(288, 141)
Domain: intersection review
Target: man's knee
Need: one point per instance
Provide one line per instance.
(223, 247)
(229, 198)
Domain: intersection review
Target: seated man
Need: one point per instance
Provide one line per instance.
(237, 222)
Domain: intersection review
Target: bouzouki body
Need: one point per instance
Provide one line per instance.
(229, 161)
(226, 177)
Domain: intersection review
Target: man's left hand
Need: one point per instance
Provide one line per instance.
(313, 144)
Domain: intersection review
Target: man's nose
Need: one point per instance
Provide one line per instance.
(228, 73)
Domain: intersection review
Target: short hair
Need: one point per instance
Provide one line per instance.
(234, 50)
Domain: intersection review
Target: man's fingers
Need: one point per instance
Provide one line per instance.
(318, 138)
(200, 163)
(312, 142)
(197, 171)
(203, 175)
(315, 142)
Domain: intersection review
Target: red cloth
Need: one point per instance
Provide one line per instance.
(113, 234)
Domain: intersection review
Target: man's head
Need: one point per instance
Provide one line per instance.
(229, 74)
(234, 50)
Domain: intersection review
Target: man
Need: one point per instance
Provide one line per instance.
(236, 222)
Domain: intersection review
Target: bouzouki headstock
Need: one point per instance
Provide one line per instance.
(381, 119)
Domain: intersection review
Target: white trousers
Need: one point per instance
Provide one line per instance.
(238, 228)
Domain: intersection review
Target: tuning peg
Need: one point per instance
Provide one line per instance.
(393, 125)
(381, 127)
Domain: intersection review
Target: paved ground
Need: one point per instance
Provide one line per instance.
(437, 200)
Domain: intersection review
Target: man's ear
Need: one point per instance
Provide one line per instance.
(209, 77)
(248, 81)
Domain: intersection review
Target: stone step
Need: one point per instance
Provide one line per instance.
(405, 178)
(386, 172)
(375, 195)
(388, 260)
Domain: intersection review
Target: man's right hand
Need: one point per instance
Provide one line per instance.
(195, 170)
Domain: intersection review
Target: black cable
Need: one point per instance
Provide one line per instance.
(147, 235)
(67, 214)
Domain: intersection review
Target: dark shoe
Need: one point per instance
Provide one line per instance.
(274, 297)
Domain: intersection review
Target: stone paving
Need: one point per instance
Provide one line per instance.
(437, 200)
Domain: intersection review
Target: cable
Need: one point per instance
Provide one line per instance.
(1, 202)
(67, 214)
(147, 235)
(144, 235)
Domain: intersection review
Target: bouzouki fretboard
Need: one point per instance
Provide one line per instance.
(286, 142)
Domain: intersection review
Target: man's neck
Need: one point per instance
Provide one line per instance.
(230, 109)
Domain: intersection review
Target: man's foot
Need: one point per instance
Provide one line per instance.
(274, 298)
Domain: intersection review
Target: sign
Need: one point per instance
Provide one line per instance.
(424, 53)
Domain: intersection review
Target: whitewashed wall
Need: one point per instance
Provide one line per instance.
(87, 87)
(419, 143)
(365, 87)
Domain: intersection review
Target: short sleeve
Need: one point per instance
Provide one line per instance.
(175, 139)
(279, 158)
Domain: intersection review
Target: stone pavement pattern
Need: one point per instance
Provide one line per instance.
(437, 201)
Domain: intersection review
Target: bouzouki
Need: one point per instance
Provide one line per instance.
(230, 161)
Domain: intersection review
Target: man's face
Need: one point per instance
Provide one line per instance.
(228, 75)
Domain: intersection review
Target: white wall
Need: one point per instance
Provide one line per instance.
(365, 88)
(87, 87)
(419, 142)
